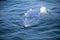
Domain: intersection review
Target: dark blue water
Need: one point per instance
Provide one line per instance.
(12, 26)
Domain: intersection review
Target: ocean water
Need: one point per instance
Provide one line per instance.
(12, 20)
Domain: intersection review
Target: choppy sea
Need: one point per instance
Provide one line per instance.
(12, 23)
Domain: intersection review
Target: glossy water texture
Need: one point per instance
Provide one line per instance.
(12, 20)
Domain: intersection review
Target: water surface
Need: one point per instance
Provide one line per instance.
(11, 20)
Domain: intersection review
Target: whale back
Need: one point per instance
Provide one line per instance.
(32, 17)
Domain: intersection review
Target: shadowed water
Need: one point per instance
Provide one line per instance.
(12, 20)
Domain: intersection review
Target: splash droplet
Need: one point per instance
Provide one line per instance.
(43, 10)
